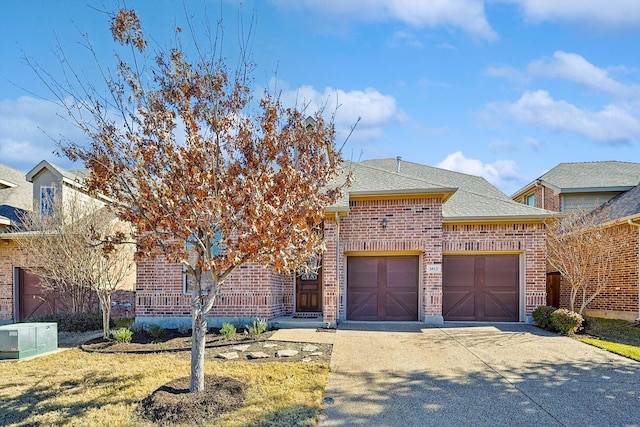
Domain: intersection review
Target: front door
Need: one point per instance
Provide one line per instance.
(309, 293)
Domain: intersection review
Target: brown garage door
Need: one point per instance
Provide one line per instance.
(382, 288)
(480, 287)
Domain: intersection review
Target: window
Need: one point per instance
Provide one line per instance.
(47, 197)
(207, 278)
(531, 200)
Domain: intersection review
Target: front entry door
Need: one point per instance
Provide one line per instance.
(309, 293)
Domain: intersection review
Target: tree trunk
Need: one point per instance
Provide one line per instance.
(198, 336)
(105, 303)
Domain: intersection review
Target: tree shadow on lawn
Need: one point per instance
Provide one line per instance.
(38, 399)
(574, 394)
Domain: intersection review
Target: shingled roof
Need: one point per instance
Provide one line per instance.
(466, 197)
(16, 195)
(588, 177)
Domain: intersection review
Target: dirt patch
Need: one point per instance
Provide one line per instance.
(172, 403)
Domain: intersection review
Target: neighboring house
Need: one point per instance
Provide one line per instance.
(20, 295)
(590, 185)
(407, 242)
(585, 185)
(16, 196)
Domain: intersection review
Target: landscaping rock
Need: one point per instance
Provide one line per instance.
(242, 348)
(269, 345)
(309, 348)
(286, 353)
(317, 354)
(228, 356)
(257, 355)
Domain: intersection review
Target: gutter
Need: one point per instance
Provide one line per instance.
(634, 224)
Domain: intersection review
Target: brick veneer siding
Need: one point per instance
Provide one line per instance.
(413, 226)
(551, 200)
(251, 291)
(526, 239)
(620, 298)
(10, 258)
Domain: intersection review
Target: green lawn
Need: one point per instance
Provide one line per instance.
(617, 336)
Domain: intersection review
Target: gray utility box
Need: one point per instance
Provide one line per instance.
(27, 339)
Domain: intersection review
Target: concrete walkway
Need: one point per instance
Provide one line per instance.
(475, 375)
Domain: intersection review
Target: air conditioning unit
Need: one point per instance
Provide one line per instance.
(21, 340)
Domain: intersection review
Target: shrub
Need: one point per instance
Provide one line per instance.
(228, 331)
(566, 322)
(156, 331)
(122, 335)
(542, 316)
(73, 322)
(257, 327)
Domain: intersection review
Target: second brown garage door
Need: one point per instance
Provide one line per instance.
(382, 288)
(480, 288)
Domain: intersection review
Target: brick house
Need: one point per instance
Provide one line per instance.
(407, 242)
(589, 185)
(20, 293)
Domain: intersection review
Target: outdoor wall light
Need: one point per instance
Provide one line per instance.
(384, 223)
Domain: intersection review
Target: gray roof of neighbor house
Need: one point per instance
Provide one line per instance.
(466, 197)
(625, 205)
(16, 195)
(588, 177)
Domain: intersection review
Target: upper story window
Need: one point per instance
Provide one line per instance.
(47, 199)
(531, 200)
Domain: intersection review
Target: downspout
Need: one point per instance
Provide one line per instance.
(630, 222)
(338, 269)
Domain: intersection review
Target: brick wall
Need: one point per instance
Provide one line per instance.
(527, 239)
(413, 226)
(10, 257)
(250, 291)
(620, 298)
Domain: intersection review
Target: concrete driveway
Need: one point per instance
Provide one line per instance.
(475, 375)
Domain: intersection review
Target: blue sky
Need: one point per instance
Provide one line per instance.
(505, 89)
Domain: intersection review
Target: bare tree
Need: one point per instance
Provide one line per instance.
(209, 178)
(582, 247)
(68, 246)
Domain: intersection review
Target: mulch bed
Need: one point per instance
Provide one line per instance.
(172, 403)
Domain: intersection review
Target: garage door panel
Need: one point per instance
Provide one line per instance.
(481, 287)
(363, 305)
(382, 288)
(459, 271)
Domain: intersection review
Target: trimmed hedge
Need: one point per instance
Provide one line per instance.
(71, 322)
(542, 316)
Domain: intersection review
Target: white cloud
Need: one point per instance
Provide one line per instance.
(372, 107)
(576, 68)
(506, 72)
(611, 14)
(610, 125)
(498, 173)
(468, 15)
(29, 130)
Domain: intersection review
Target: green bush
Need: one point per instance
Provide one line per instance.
(566, 322)
(257, 327)
(542, 316)
(122, 335)
(70, 322)
(156, 331)
(228, 331)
